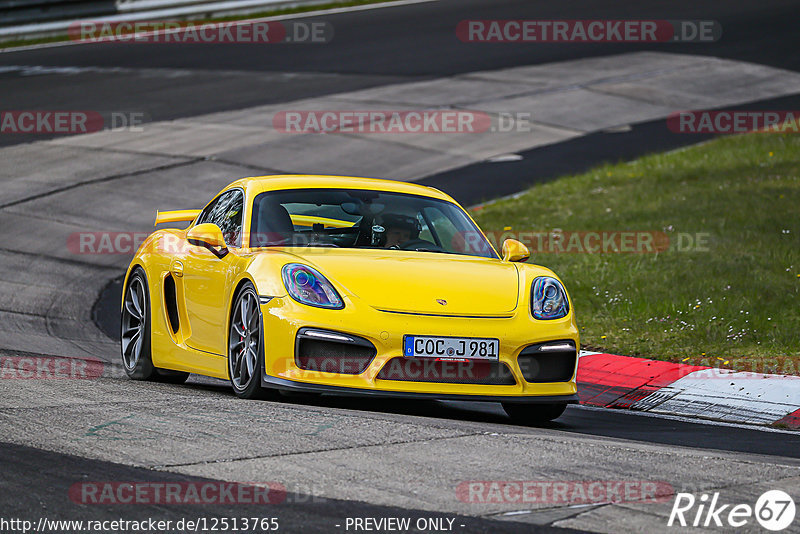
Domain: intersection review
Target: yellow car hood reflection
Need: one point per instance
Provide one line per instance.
(419, 282)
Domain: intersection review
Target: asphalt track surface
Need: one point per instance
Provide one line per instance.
(584, 420)
(374, 48)
(25, 468)
(370, 48)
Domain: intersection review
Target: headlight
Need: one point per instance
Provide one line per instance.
(548, 299)
(308, 286)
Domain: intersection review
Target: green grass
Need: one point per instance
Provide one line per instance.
(14, 43)
(733, 303)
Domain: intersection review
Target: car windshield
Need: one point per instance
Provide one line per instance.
(354, 218)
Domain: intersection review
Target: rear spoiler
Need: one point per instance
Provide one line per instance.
(175, 216)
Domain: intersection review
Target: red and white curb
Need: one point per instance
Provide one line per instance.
(613, 381)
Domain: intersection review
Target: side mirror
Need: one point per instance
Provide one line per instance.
(208, 235)
(513, 250)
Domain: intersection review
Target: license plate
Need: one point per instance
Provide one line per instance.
(470, 348)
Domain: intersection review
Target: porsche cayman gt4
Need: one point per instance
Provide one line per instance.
(353, 286)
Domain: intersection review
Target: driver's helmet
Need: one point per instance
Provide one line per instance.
(404, 222)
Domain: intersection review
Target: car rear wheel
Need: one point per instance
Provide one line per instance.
(135, 334)
(531, 414)
(246, 345)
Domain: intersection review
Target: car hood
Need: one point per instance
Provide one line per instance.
(420, 282)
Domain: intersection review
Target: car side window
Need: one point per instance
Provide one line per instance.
(425, 232)
(443, 228)
(205, 215)
(226, 212)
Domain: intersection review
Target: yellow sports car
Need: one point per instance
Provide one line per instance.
(354, 286)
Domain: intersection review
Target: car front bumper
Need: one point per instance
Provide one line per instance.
(283, 319)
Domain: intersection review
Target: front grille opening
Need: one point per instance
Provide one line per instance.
(333, 356)
(539, 365)
(447, 372)
(171, 303)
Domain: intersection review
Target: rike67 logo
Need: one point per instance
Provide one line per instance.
(774, 510)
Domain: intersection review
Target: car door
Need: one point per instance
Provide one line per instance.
(207, 279)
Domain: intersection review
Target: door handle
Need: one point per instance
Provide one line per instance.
(177, 269)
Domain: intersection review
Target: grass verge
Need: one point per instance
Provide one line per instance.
(726, 291)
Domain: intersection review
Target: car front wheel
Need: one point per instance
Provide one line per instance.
(135, 334)
(246, 345)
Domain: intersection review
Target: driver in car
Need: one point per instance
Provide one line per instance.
(399, 229)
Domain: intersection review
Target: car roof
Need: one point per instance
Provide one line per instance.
(258, 184)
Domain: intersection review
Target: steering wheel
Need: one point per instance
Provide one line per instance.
(421, 244)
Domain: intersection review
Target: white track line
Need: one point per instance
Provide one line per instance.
(684, 419)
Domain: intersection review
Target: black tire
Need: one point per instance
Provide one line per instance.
(246, 354)
(135, 328)
(533, 414)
